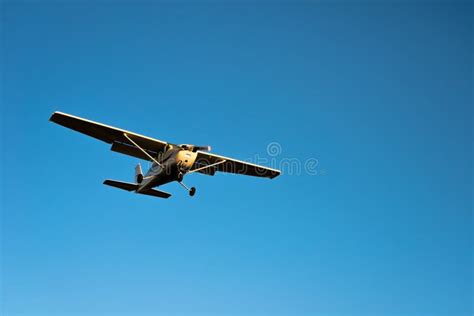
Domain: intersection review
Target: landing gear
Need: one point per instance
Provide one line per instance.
(191, 191)
(180, 177)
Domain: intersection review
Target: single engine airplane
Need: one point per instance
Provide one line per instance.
(170, 162)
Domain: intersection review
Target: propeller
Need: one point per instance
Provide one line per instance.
(195, 148)
(202, 148)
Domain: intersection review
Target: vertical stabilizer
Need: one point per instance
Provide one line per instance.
(138, 174)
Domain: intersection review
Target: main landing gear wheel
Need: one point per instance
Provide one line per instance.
(191, 191)
(180, 177)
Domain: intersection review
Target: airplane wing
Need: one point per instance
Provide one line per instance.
(111, 135)
(225, 164)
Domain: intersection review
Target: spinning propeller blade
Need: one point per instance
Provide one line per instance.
(202, 148)
(195, 148)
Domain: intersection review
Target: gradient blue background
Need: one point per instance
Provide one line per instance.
(379, 93)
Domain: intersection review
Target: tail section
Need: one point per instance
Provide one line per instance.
(133, 187)
(157, 193)
(138, 174)
(121, 185)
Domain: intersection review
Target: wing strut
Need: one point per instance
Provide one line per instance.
(143, 150)
(209, 166)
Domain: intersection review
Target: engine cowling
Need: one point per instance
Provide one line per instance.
(186, 158)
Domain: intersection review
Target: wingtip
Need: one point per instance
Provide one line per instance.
(51, 118)
(274, 176)
(57, 115)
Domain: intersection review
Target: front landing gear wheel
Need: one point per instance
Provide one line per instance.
(180, 177)
(192, 191)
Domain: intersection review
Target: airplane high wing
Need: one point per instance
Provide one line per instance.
(112, 135)
(209, 163)
(170, 162)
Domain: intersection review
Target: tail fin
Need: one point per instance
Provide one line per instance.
(138, 174)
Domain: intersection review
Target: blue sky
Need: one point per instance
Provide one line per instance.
(379, 93)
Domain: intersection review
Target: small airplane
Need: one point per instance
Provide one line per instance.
(170, 162)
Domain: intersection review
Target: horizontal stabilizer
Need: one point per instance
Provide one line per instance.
(132, 187)
(121, 185)
(156, 193)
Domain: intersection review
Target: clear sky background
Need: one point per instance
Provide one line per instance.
(380, 93)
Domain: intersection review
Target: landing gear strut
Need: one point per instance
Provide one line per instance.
(191, 191)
